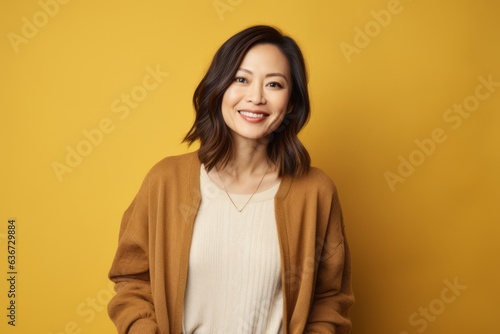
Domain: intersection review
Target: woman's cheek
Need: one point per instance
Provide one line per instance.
(276, 123)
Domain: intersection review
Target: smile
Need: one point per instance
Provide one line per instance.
(252, 114)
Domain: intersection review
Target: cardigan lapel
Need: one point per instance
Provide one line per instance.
(279, 208)
(189, 211)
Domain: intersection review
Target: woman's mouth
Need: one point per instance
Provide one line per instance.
(253, 116)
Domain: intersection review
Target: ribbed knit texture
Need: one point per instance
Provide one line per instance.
(234, 281)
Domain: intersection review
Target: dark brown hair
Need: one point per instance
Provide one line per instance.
(284, 148)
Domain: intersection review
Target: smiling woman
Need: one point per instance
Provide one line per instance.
(242, 236)
(258, 95)
(258, 61)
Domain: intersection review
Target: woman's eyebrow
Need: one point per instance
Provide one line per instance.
(277, 74)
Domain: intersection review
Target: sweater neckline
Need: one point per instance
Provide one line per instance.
(193, 180)
(207, 184)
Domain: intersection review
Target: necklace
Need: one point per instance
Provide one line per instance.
(248, 201)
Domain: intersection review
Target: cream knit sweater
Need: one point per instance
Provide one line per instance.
(233, 283)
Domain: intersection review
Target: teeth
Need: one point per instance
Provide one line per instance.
(251, 114)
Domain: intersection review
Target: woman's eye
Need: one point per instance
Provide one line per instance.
(275, 85)
(240, 80)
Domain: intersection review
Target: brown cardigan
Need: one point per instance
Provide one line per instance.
(151, 263)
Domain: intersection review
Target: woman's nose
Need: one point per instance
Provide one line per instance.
(255, 94)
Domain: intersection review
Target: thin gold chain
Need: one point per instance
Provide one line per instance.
(248, 201)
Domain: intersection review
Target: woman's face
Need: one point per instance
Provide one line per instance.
(256, 102)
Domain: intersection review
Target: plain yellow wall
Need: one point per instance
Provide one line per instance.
(417, 175)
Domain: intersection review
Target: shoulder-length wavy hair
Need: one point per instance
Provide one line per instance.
(216, 144)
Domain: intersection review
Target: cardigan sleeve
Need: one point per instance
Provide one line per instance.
(132, 308)
(333, 295)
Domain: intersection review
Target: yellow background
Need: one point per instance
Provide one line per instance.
(440, 224)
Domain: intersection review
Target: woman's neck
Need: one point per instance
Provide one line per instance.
(248, 170)
(249, 157)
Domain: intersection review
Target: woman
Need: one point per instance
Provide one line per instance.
(242, 236)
